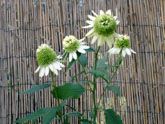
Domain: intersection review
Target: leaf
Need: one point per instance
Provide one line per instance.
(49, 116)
(101, 62)
(65, 55)
(111, 117)
(36, 88)
(70, 64)
(83, 60)
(68, 90)
(114, 89)
(85, 121)
(91, 114)
(76, 114)
(34, 115)
(90, 50)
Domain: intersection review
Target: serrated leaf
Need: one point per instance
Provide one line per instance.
(76, 114)
(49, 116)
(111, 117)
(83, 59)
(68, 90)
(114, 89)
(36, 88)
(34, 115)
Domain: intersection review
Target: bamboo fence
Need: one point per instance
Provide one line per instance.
(25, 24)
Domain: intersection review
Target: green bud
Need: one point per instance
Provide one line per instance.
(123, 42)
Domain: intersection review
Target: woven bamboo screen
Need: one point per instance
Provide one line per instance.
(25, 24)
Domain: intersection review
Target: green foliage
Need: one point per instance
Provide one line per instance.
(85, 121)
(114, 89)
(68, 90)
(111, 117)
(44, 112)
(70, 64)
(90, 50)
(36, 88)
(75, 114)
(83, 60)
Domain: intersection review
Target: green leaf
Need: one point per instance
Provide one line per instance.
(114, 89)
(83, 59)
(101, 62)
(85, 121)
(82, 72)
(76, 114)
(111, 117)
(49, 116)
(36, 88)
(68, 90)
(90, 50)
(34, 116)
(91, 114)
(70, 64)
(65, 55)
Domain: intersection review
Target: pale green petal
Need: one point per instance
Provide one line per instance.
(101, 41)
(90, 33)
(94, 39)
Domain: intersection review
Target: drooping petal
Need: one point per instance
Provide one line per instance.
(42, 72)
(89, 34)
(110, 41)
(37, 69)
(128, 51)
(70, 57)
(46, 71)
(61, 65)
(132, 51)
(81, 50)
(89, 22)
(82, 39)
(91, 17)
(123, 53)
(117, 22)
(56, 66)
(101, 41)
(53, 69)
(94, 13)
(94, 39)
(74, 55)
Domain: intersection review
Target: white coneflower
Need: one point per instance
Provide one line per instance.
(72, 45)
(47, 60)
(122, 44)
(103, 27)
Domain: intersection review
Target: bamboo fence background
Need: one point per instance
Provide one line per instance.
(25, 24)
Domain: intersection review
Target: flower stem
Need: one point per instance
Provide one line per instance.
(54, 85)
(95, 86)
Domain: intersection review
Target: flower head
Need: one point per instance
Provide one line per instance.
(103, 27)
(122, 44)
(72, 45)
(47, 60)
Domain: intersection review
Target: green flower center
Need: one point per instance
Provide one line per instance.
(71, 44)
(124, 43)
(105, 25)
(46, 56)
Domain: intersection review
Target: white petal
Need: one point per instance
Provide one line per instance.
(70, 57)
(128, 51)
(90, 32)
(53, 69)
(117, 22)
(94, 13)
(123, 53)
(81, 50)
(108, 12)
(42, 72)
(91, 17)
(115, 17)
(37, 69)
(56, 66)
(110, 41)
(59, 57)
(61, 65)
(100, 41)
(82, 39)
(89, 22)
(88, 26)
(132, 51)
(111, 51)
(46, 71)
(84, 47)
(101, 12)
(74, 55)
(94, 39)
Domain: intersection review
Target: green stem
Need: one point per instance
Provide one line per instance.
(114, 74)
(54, 85)
(95, 86)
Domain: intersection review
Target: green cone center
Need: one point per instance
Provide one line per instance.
(105, 25)
(124, 43)
(72, 45)
(46, 56)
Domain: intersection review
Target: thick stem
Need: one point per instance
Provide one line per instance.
(95, 86)
(54, 85)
